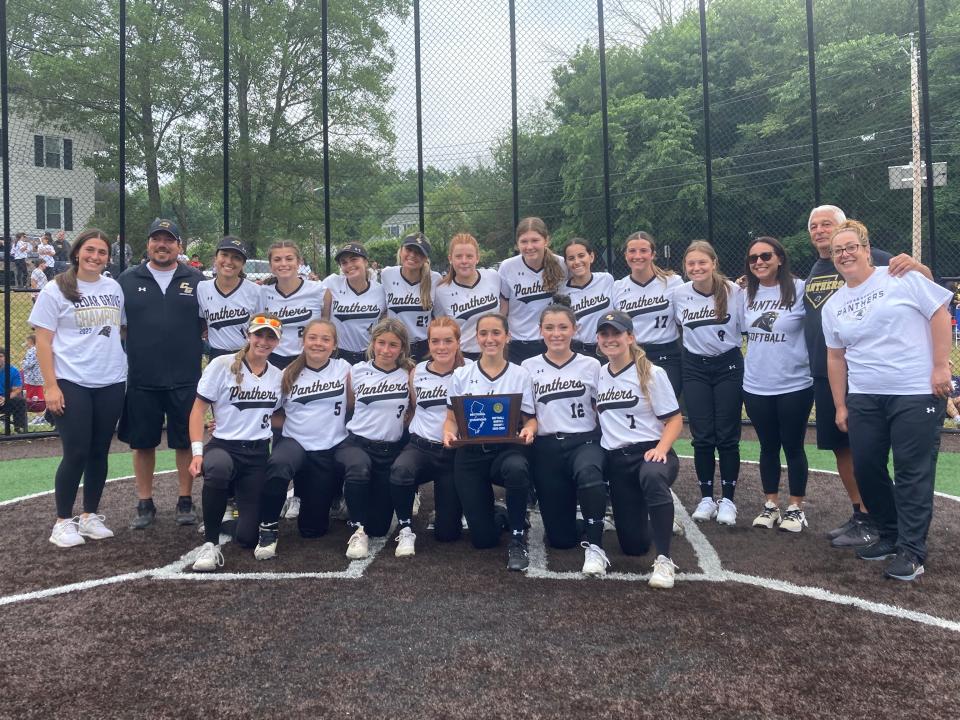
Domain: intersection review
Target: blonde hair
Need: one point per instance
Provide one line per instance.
(553, 274)
(293, 370)
(392, 325)
(236, 367)
(426, 278)
(458, 239)
(658, 271)
(448, 322)
(721, 286)
(644, 369)
(279, 245)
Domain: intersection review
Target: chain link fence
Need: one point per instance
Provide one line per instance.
(342, 120)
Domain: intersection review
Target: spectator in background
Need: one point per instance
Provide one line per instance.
(14, 406)
(21, 251)
(127, 254)
(38, 278)
(33, 379)
(61, 247)
(45, 253)
(195, 262)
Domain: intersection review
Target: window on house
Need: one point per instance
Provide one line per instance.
(52, 150)
(54, 213)
(54, 216)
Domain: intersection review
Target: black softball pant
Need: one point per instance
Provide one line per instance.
(667, 357)
(520, 350)
(420, 462)
(86, 429)
(781, 421)
(315, 481)
(366, 481)
(713, 388)
(476, 469)
(236, 468)
(641, 498)
(910, 426)
(568, 470)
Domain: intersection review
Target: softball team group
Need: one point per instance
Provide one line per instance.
(344, 387)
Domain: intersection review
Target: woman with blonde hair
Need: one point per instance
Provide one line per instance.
(354, 301)
(409, 287)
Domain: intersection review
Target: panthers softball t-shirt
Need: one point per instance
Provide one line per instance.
(883, 324)
(228, 314)
(523, 287)
(431, 390)
(588, 303)
(650, 304)
(564, 394)
(777, 360)
(703, 332)
(242, 411)
(471, 380)
(86, 333)
(403, 301)
(468, 303)
(354, 313)
(626, 416)
(381, 398)
(316, 407)
(295, 310)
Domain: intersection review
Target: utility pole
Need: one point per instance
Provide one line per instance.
(915, 139)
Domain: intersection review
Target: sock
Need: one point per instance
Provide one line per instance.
(214, 503)
(185, 499)
(728, 488)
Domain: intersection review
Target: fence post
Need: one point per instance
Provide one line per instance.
(226, 117)
(325, 94)
(927, 139)
(708, 156)
(814, 130)
(608, 213)
(122, 130)
(515, 168)
(419, 88)
(7, 245)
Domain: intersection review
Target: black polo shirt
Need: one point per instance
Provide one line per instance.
(164, 344)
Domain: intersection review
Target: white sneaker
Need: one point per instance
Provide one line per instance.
(794, 520)
(92, 527)
(663, 573)
(706, 510)
(209, 559)
(726, 512)
(769, 518)
(416, 503)
(608, 523)
(266, 548)
(677, 528)
(66, 533)
(291, 508)
(595, 560)
(358, 546)
(406, 542)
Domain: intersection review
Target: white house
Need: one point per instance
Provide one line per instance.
(50, 186)
(404, 219)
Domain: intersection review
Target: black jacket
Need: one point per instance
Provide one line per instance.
(164, 344)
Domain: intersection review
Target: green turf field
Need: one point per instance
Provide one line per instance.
(23, 477)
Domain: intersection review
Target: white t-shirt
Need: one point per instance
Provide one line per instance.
(626, 417)
(703, 332)
(651, 306)
(242, 411)
(777, 361)
(523, 287)
(316, 408)
(39, 277)
(228, 315)
(588, 303)
(472, 380)
(468, 303)
(431, 390)
(354, 313)
(295, 310)
(22, 250)
(565, 394)
(86, 334)
(884, 326)
(45, 252)
(380, 400)
(163, 277)
(403, 301)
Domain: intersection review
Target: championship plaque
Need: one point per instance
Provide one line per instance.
(487, 418)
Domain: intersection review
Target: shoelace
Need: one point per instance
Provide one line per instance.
(94, 520)
(213, 552)
(355, 539)
(65, 526)
(796, 515)
(666, 562)
(769, 511)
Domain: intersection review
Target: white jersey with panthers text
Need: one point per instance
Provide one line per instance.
(472, 380)
(626, 416)
(431, 392)
(403, 301)
(589, 302)
(316, 406)
(650, 304)
(228, 315)
(242, 411)
(523, 287)
(565, 394)
(467, 303)
(777, 361)
(381, 399)
(295, 310)
(703, 332)
(353, 313)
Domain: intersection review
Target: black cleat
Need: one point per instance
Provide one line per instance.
(905, 566)
(517, 556)
(186, 515)
(146, 515)
(845, 528)
(879, 550)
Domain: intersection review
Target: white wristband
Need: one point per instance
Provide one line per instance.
(197, 448)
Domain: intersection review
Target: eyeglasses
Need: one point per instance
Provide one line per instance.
(264, 320)
(765, 256)
(848, 249)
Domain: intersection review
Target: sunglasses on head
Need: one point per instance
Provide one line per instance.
(765, 256)
(264, 320)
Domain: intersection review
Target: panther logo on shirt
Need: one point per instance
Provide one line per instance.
(766, 321)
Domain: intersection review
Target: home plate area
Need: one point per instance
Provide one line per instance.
(760, 624)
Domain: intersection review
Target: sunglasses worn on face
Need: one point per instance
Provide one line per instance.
(765, 256)
(263, 320)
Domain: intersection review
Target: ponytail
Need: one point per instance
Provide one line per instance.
(67, 281)
(644, 369)
(236, 367)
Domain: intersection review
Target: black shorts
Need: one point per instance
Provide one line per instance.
(144, 410)
(829, 436)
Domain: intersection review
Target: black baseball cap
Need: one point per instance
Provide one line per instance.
(234, 244)
(419, 241)
(617, 319)
(352, 249)
(164, 226)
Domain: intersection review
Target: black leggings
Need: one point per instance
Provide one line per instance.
(781, 421)
(640, 489)
(422, 462)
(86, 429)
(366, 482)
(476, 469)
(238, 468)
(315, 481)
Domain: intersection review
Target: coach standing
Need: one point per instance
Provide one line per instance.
(164, 347)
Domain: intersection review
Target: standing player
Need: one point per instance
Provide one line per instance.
(77, 321)
(646, 295)
(21, 253)
(466, 291)
(527, 282)
(354, 302)
(293, 299)
(316, 402)
(164, 350)
(591, 293)
(409, 288)
(567, 457)
(639, 420)
(425, 459)
(229, 300)
(777, 387)
(381, 391)
(244, 392)
(477, 466)
(707, 308)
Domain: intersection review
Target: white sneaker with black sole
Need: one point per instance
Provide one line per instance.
(706, 510)
(664, 572)
(358, 546)
(769, 517)
(291, 508)
(91, 526)
(266, 548)
(406, 543)
(209, 558)
(677, 528)
(595, 560)
(726, 512)
(66, 533)
(794, 520)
